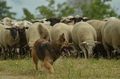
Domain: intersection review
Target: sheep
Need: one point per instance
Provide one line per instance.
(111, 36)
(46, 23)
(7, 21)
(98, 24)
(68, 20)
(110, 18)
(84, 38)
(40, 21)
(22, 28)
(77, 18)
(60, 28)
(1, 27)
(53, 21)
(9, 38)
(35, 32)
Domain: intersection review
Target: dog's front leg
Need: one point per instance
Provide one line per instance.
(47, 63)
(42, 66)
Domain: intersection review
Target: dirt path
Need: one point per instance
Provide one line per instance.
(8, 75)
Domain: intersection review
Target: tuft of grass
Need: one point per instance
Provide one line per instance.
(65, 68)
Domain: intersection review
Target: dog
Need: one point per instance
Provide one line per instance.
(48, 52)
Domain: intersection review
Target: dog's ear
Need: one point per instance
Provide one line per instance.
(61, 38)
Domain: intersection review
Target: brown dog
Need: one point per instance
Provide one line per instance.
(48, 52)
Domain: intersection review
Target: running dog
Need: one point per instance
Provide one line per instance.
(48, 52)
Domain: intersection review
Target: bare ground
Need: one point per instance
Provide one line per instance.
(9, 75)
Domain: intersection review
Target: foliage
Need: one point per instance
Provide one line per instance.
(76, 4)
(51, 10)
(28, 15)
(98, 10)
(64, 10)
(4, 10)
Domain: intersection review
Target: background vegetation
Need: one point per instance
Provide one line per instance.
(94, 9)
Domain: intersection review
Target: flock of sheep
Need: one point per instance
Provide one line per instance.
(89, 37)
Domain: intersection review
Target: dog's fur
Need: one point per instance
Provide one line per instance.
(48, 52)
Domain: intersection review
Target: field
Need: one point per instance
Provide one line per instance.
(65, 68)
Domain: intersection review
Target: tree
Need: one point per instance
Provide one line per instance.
(51, 10)
(76, 4)
(28, 15)
(98, 10)
(64, 11)
(4, 10)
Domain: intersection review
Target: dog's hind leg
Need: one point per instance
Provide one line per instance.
(48, 64)
(35, 60)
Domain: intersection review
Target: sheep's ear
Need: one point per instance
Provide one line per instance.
(83, 43)
(72, 18)
(26, 27)
(8, 28)
(97, 42)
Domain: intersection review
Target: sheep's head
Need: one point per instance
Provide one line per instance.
(13, 32)
(21, 31)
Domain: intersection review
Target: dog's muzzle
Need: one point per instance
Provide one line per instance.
(66, 50)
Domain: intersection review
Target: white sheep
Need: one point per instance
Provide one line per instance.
(61, 28)
(35, 32)
(111, 36)
(97, 24)
(84, 38)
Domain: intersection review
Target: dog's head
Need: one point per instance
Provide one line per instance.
(65, 46)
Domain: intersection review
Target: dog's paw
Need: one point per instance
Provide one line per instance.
(41, 70)
(52, 71)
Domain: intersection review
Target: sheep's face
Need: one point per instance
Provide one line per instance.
(53, 21)
(77, 19)
(13, 32)
(22, 32)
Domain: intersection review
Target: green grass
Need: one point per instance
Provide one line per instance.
(65, 68)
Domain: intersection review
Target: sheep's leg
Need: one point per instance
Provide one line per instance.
(85, 54)
(12, 52)
(77, 48)
(4, 53)
(21, 52)
(108, 49)
(84, 51)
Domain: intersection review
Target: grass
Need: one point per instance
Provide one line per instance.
(65, 68)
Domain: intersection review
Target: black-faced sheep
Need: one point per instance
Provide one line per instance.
(9, 38)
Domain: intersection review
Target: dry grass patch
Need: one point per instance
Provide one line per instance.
(65, 68)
